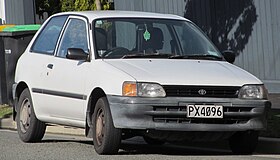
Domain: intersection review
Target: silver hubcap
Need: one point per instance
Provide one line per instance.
(100, 123)
(25, 112)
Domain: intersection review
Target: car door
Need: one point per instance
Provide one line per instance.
(35, 64)
(65, 78)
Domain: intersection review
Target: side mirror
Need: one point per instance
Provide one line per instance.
(77, 54)
(229, 56)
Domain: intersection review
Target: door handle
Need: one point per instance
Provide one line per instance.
(50, 66)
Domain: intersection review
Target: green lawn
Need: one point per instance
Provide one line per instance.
(5, 111)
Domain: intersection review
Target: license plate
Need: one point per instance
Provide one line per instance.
(205, 111)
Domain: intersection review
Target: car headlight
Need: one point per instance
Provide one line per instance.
(143, 89)
(253, 92)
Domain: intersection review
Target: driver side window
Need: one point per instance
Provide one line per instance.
(46, 41)
(74, 36)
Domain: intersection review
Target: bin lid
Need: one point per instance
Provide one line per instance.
(18, 28)
(5, 26)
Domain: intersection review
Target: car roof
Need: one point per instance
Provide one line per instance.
(91, 15)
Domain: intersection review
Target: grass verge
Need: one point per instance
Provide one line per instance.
(5, 111)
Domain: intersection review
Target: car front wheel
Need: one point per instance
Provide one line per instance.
(29, 128)
(106, 138)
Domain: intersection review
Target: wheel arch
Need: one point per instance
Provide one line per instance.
(94, 96)
(19, 89)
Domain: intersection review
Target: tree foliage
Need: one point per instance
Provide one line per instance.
(67, 5)
(49, 6)
(55, 6)
(84, 5)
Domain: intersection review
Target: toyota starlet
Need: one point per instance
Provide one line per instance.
(121, 74)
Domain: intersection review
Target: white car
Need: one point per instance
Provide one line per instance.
(121, 74)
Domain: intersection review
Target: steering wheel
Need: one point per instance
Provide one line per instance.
(116, 52)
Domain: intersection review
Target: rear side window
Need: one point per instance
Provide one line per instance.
(47, 39)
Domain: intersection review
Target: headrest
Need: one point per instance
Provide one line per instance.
(101, 39)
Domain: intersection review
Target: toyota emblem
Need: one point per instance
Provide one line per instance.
(202, 92)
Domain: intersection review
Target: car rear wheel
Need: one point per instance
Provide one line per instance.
(29, 128)
(244, 142)
(106, 138)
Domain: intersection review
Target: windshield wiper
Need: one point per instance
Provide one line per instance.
(170, 56)
(141, 55)
(196, 56)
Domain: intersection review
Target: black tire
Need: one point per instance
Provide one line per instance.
(106, 138)
(152, 141)
(244, 142)
(29, 128)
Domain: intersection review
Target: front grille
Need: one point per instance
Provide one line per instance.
(178, 114)
(193, 91)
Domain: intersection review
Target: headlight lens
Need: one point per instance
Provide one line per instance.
(253, 92)
(143, 89)
(150, 90)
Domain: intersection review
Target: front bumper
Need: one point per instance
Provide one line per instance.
(169, 114)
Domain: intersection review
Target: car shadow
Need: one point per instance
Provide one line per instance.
(137, 146)
(66, 141)
(167, 149)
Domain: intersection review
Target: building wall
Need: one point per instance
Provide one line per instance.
(29, 11)
(159, 6)
(2, 12)
(261, 55)
(14, 11)
(17, 11)
(249, 27)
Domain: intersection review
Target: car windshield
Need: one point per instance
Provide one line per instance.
(151, 38)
